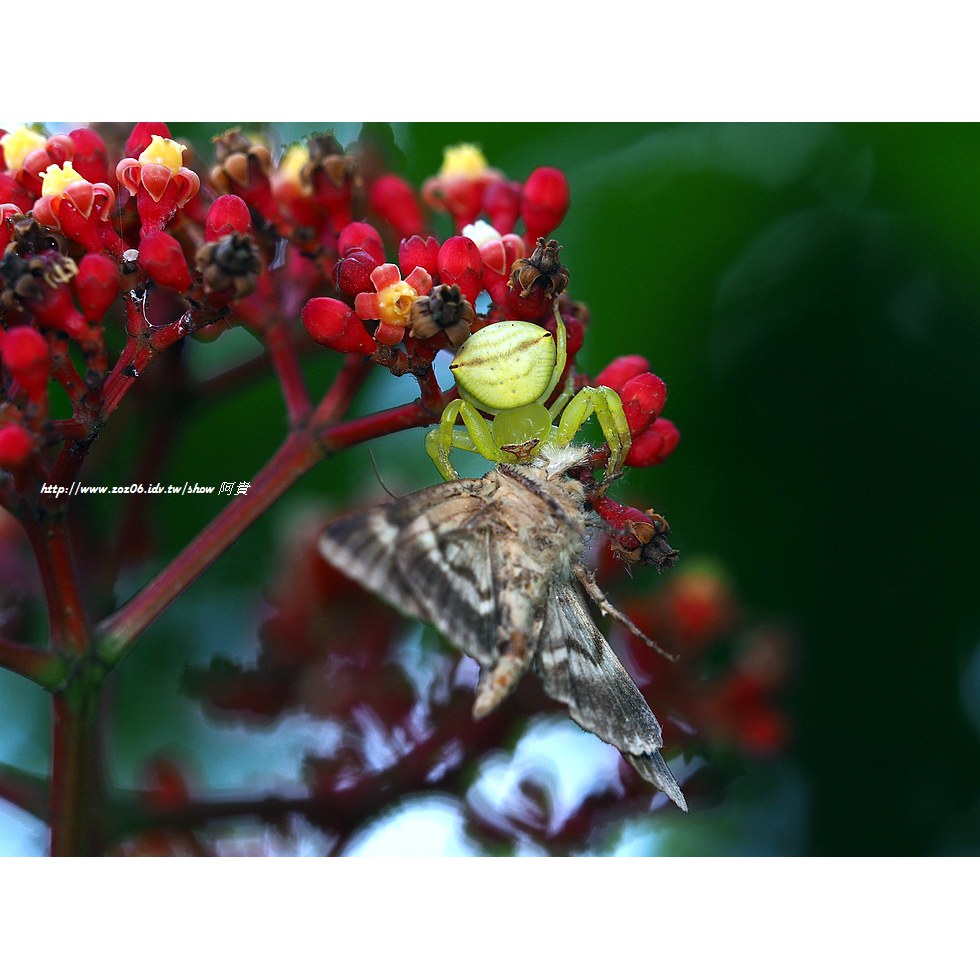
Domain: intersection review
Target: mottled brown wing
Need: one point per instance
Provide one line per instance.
(579, 668)
(445, 555)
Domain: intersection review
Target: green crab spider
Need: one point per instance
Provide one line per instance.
(509, 370)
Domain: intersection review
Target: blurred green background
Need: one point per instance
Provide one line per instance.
(810, 294)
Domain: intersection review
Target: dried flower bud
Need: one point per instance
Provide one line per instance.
(443, 309)
(229, 267)
(542, 271)
(162, 259)
(335, 325)
(636, 537)
(652, 447)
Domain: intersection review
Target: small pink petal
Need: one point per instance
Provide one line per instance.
(128, 173)
(420, 281)
(385, 275)
(46, 212)
(155, 177)
(82, 195)
(366, 306)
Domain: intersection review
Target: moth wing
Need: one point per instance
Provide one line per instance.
(364, 545)
(579, 668)
(428, 554)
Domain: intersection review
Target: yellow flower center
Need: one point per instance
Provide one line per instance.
(292, 162)
(395, 303)
(56, 179)
(17, 144)
(169, 153)
(463, 160)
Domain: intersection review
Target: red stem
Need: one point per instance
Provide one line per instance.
(66, 616)
(282, 352)
(35, 663)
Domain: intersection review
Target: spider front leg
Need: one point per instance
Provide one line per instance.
(607, 407)
(477, 438)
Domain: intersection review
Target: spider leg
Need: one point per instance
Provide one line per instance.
(607, 407)
(477, 438)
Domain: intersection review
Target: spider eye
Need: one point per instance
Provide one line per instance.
(505, 365)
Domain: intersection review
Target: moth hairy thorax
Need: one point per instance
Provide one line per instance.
(495, 565)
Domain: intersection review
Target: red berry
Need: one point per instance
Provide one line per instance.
(502, 203)
(544, 201)
(26, 357)
(359, 234)
(621, 370)
(90, 159)
(393, 199)
(352, 274)
(162, 259)
(644, 398)
(96, 285)
(417, 251)
(460, 265)
(653, 446)
(16, 447)
(228, 215)
(335, 325)
(13, 192)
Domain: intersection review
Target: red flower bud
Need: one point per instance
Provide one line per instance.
(142, 135)
(26, 357)
(644, 398)
(228, 215)
(335, 325)
(13, 192)
(352, 274)
(421, 252)
(162, 259)
(502, 203)
(653, 446)
(16, 446)
(90, 159)
(460, 265)
(544, 201)
(392, 199)
(359, 234)
(621, 370)
(96, 285)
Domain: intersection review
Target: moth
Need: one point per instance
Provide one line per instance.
(495, 564)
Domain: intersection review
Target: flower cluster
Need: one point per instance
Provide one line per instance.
(119, 249)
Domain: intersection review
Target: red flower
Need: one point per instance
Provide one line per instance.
(160, 181)
(74, 206)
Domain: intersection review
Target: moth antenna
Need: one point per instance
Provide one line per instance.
(587, 579)
(377, 473)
